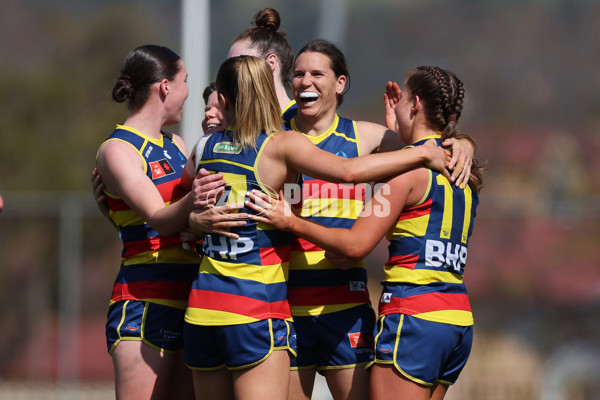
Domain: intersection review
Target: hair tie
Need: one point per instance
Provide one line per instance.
(452, 117)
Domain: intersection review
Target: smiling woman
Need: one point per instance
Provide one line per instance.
(428, 223)
(325, 300)
(141, 167)
(240, 290)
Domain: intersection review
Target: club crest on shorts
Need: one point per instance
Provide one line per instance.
(384, 349)
(386, 298)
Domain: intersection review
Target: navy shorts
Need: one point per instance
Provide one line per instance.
(342, 339)
(423, 351)
(158, 326)
(236, 346)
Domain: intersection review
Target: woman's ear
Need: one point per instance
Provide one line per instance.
(341, 84)
(272, 60)
(224, 104)
(164, 87)
(416, 104)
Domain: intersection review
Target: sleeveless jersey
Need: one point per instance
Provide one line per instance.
(315, 285)
(289, 112)
(428, 253)
(240, 280)
(154, 268)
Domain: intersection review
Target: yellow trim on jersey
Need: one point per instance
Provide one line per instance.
(414, 227)
(263, 226)
(331, 130)
(158, 142)
(126, 218)
(214, 160)
(290, 104)
(276, 273)
(428, 190)
(313, 260)
(467, 218)
(328, 207)
(357, 141)
(434, 136)
(179, 304)
(170, 254)
(215, 318)
(206, 317)
(307, 311)
(446, 225)
(255, 167)
(452, 317)
(394, 273)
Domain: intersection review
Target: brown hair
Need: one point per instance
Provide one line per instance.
(266, 38)
(144, 66)
(337, 61)
(442, 95)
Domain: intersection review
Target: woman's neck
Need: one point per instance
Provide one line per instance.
(282, 96)
(314, 126)
(146, 123)
(418, 133)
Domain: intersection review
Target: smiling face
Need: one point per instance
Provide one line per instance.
(213, 119)
(178, 93)
(315, 85)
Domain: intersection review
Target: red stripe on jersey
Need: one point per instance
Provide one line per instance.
(427, 302)
(325, 295)
(236, 304)
(315, 188)
(299, 244)
(116, 204)
(274, 255)
(170, 290)
(406, 261)
(154, 243)
(418, 211)
(171, 190)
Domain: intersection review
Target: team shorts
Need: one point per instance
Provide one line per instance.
(423, 351)
(236, 346)
(342, 339)
(158, 326)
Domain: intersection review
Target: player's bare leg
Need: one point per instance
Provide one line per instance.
(348, 383)
(267, 380)
(302, 383)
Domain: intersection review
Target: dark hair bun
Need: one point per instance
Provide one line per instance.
(268, 19)
(122, 89)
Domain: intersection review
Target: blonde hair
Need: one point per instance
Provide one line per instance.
(247, 82)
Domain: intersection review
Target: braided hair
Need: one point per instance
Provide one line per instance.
(443, 96)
